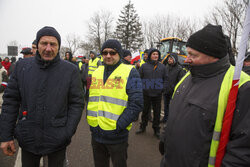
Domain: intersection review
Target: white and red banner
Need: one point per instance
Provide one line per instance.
(231, 104)
(135, 56)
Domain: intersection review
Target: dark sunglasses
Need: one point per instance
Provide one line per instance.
(112, 53)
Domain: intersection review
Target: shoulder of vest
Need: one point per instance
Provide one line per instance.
(127, 66)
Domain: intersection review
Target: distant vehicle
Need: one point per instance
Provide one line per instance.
(173, 45)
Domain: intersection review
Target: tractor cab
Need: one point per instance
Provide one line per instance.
(173, 45)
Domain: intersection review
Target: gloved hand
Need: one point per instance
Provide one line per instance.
(161, 147)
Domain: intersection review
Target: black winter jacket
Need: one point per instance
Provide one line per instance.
(174, 72)
(154, 76)
(192, 116)
(129, 115)
(52, 95)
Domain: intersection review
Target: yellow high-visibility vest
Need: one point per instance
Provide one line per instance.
(80, 65)
(222, 104)
(142, 62)
(108, 101)
(93, 65)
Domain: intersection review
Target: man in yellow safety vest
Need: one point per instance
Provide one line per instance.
(94, 62)
(115, 100)
(192, 133)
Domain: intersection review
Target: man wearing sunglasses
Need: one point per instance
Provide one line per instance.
(115, 100)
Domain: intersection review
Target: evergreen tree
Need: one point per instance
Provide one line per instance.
(128, 30)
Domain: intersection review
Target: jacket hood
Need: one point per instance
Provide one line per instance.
(46, 64)
(93, 52)
(70, 56)
(175, 57)
(150, 51)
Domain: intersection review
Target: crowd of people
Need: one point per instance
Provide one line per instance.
(46, 95)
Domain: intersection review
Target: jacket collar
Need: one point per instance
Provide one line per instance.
(210, 70)
(112, 67)
(45, 64)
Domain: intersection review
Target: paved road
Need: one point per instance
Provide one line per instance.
(142, 151)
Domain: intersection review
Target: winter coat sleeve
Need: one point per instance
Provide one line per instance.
(75, 102)
(135, 101)
(99, 63)
(10, 108)
(141, 71)
(165, 79)
(238, 147)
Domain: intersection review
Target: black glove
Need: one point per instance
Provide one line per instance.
(161, 147)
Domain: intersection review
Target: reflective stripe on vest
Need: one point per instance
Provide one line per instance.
(108, 101)
(222, 104)
(93, 65)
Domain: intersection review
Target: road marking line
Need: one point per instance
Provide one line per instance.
(18, 159)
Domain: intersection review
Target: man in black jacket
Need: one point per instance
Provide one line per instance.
(192, 134)
(174, 72)
(126, 57)
(43, 103)
(154, 77)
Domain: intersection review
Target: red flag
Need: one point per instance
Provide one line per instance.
(231, 104)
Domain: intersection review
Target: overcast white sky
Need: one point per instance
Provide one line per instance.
(21, 19)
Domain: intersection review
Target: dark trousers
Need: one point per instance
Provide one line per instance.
(103, 152)
(167, 99)
(156, 105)
(55, 159)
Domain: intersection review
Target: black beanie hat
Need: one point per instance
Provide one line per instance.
(210, 40)
(48, 31)
(126, 53)
(34, 42)
(113, 44)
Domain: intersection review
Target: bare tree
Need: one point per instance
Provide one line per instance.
(86, 47)
(63, 50)
(154, 29)
(73, 41)
(107, 20)
(159, 27)
(100, 28)
(231, 16)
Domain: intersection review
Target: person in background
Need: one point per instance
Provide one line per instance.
(27, 52)
(174, 72)
(74, 61)
(42, 104)
(126, 59)
(145, 57)
(12, 66)
(113, 107)
(246, 64)
(154, 78)
(6, 64)
(137, 64)
(34, 48)
(94, 63)
(68, 56)
(193, 129)
(4, 81)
